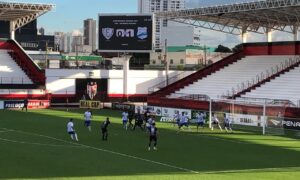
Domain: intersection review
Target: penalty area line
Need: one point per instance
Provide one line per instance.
(111, 152)
(40, 144)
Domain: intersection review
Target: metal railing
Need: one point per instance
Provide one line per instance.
(261, 77)
(267, 101)
(194, 97)
(15, 80)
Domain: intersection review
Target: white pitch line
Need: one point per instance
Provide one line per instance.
(113, 152)
(252, 170)
(39, 144)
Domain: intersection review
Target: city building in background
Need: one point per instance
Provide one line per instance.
(41, 31)
(181, 34)
(186, 57)
(166, 29)
(29, 37)
(89, 32)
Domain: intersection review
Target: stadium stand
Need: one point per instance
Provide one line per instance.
(10, 72)
(218, 83)
(285, 87)
(17, 53)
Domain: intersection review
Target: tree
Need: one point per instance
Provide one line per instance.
(237, 48)
(223, 49)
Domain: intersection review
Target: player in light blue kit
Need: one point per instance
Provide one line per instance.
(227, 123)
(184, 121)
(200, 120)
(125, 119)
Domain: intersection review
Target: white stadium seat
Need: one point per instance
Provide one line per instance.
(222, 81)
(10, 72)
(285, 87)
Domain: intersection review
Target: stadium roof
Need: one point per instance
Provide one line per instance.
(257, 16)
(22, 13)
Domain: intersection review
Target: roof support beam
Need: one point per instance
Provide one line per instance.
(244, 35)
(258, 16)
(296, 32)
(12, 30)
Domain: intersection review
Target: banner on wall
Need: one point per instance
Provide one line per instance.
(90, 104)
(293, 124)
(154, 110)
(1, 105)
(13, 104)
(123, 107)
(92, 89)
(170, 112)
(195, 113)
(38, 104)
(245, 119)
(32, 104)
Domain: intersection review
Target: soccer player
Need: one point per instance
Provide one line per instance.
(200, 120)
(104, 129)
(153, 137)
(184, 121)
(176, 118)
(125, 119)
(138, 121)
(130, 118)
(71, 130)
(25, 105)
(146, 117)
(215, 121)
(227, 123)
(149, 123)
(88, 118)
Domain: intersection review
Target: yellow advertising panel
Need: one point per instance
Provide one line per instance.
(90, 104)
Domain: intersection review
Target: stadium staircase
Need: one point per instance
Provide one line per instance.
(156, 98)
(35, 74)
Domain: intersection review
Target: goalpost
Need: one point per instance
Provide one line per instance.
(265, 116)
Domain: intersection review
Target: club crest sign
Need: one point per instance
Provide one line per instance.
(142, 33)
(91, 89)
(107, 33)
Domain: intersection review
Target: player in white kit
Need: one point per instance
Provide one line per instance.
(215, 121)
(87, 119)
(125, 120)
(71, 130)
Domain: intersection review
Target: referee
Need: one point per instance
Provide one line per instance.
(104, 129)
(25, 105)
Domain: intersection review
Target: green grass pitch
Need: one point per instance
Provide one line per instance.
(35, 145)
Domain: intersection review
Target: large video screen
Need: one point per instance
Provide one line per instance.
(130, 33)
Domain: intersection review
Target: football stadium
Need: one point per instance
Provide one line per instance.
(126, 110)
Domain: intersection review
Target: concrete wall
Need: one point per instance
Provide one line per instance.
(62, 81)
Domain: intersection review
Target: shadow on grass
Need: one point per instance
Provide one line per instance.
(125, 154)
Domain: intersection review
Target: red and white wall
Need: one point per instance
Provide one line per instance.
(63, 82)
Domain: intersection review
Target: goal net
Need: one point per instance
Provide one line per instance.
(258, 115)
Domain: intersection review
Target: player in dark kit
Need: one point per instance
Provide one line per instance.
(153, 137)
(104, 129)
(25, 105)
(138, 121)
(130, 118)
